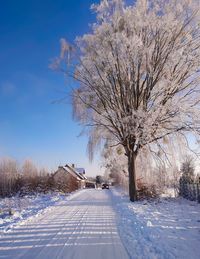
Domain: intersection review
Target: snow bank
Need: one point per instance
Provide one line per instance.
(24, 208)
(168, 228)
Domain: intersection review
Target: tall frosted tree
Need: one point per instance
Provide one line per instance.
(138, 74)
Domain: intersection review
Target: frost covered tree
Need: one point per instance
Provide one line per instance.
(8, 175)
(29, 170)
(138, 74)
(115, 164)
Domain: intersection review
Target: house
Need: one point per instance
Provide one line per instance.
(68, 179)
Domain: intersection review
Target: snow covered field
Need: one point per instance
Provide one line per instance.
(24, 207)
(104, 224)
(168, 228)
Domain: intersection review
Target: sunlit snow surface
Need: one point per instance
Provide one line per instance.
(104, 224)
(82, 227)
(165, 228)
(25, 207)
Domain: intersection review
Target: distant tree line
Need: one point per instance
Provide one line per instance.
(24, 179)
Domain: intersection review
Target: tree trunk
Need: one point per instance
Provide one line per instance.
(132, 176)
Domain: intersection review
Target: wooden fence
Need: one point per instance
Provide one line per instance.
(190, 191)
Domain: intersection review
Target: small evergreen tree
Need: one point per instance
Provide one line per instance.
(187, 169)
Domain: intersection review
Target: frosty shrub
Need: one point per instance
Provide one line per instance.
(9, 177)
(23, 180)
(147, 191)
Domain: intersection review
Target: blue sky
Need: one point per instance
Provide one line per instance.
(30, 125)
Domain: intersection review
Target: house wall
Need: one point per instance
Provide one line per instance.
(65, 182)
(81, 184)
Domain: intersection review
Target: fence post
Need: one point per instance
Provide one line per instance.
(188, 191)
(193, 192)
(185, 190)
(198, 193)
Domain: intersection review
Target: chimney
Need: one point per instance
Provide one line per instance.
(73, 165)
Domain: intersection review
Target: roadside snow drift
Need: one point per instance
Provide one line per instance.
(166, 228)
(22, 208)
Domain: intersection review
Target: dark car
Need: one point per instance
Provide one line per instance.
(105, 186)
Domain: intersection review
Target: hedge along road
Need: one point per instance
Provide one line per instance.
(83, 227)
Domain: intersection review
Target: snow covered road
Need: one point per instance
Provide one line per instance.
(83, 227)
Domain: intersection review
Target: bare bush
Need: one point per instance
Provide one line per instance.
(23, 180)
(147, 191)
(8, 177)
